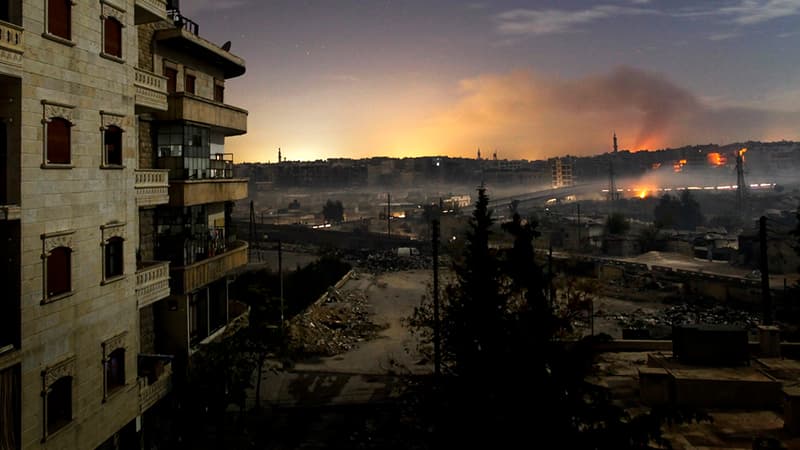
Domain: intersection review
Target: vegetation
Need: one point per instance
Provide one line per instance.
(616, 224)
(509, 380)
(333, 211)
(680, 213)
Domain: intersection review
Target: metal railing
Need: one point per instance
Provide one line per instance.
(184, 22)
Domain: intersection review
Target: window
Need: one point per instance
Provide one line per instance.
(189, 83)
(112, 145)
(115, 370)
(113, 258)
(59, 404)
(58, 141)
(112, 37)
(59, 18)
(10, 412)
(59, 271)
(219, 92)
(172, 79)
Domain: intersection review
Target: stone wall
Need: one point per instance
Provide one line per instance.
(146, 157)
(147, 234)
(147, 330)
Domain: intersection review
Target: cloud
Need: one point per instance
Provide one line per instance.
(723, 36)
(196, 6)
(550, 21)
(526, 115)
(750, 12)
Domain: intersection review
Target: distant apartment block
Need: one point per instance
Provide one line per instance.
(561, 169)
(115, 243)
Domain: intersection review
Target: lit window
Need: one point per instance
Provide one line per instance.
(112, 37)
(59, 404)
(59, 18)
(112, 145)
(58, 141)
(59, 271)
(113, 258)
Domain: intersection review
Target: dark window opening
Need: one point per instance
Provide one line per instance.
(190, 81)
(59, 404)
(59, 18)
(113, 145)
(59, 271)
(113, 257)
(10, 412)
(219, 93)
(172, 79)
(115, 370)
(112, 37)
(58, 141)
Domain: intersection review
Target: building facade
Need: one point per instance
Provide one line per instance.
(88, 206)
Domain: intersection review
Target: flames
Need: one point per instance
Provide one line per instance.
(678, 166)
(742, 152)
(716, 159)
(644, 192)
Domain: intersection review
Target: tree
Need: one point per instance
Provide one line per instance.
(333, 212)
(682, 213)
(616, 224)
(510, 380)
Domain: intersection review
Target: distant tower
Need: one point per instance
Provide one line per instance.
(479, 154)
(612, 182)
(279, 154)
(741, 185)
(495, 155)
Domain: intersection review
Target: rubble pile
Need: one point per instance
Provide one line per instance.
(388, 261)
(333, 325)
(683, 314)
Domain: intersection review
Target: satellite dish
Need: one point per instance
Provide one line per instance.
(227, 46)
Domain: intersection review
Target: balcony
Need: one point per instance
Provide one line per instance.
(212, 190)
(229, 120)
(184, 38)
(150, 11)
(152, 187)
(152, 282)
(11, 44)
(155, 379)
(151, 91)
(194, 276)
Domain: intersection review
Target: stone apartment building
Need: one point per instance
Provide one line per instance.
(115, 197)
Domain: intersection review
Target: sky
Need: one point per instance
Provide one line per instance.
(526, 79)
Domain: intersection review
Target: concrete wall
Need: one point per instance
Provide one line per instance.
(188, 193)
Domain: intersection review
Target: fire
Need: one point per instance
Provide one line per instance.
(742, 152)
(643, 192)
(716, 159)
(678, 166)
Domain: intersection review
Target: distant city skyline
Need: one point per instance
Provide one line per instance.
(528, 79)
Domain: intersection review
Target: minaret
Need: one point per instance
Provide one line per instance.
(612, 183)
(279, 154)
(479, 154)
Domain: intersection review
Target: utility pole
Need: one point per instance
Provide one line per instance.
(437, 355)
(550, 290)
(579, 227)
(280, 277)
(252, 230)
(388, 215)
(764, 266)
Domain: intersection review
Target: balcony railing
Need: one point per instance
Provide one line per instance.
(152, 187)
(12, 44)
(188, 278)
(151, 90)
(150, 11)
(152, 282)
(155, 379)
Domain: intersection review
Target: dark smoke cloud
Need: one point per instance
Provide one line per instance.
(530, 116)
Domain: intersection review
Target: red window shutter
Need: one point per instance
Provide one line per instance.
(59, 18)
(58, 271)
(58, 141)
(113, 37)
